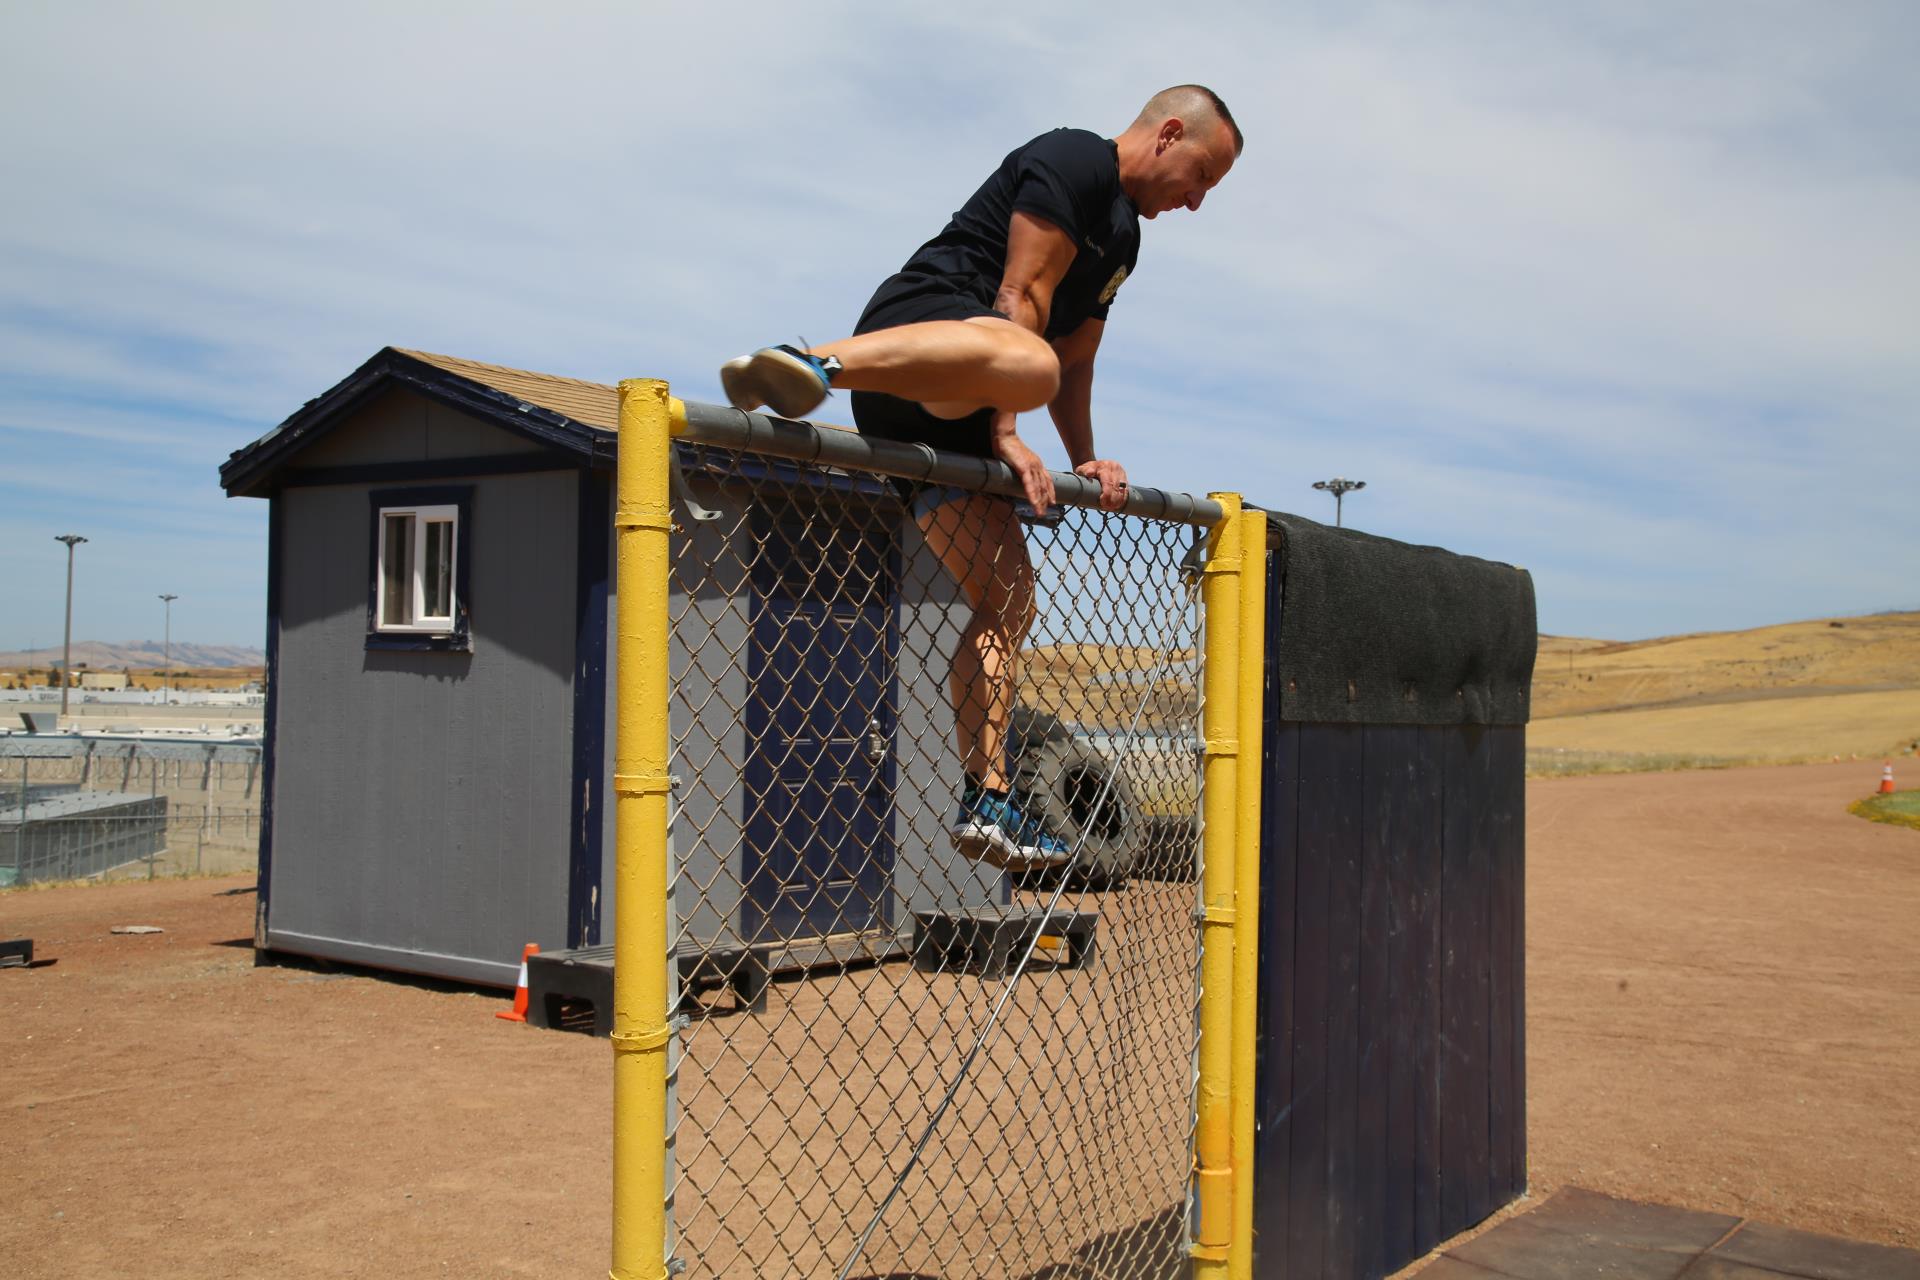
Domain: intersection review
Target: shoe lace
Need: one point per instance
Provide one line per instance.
(829, 365)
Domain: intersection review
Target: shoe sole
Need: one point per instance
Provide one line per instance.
(991, 846)
(786, 384)
(735, 381)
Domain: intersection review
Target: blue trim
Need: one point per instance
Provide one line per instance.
(460, 640)
(587, 809)
(269, 737)
(765, 911)
(394, 642)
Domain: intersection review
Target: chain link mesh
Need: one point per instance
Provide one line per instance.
(846, 653)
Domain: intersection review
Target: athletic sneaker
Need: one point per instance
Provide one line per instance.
(992, 829)
(787, 380)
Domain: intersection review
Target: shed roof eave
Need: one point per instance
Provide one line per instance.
(250, 472)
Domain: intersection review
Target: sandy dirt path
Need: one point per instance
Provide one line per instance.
(1724, 996)
(1724, 1013)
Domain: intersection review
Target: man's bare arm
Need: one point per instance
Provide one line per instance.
(1072, 407)
(1072, 410)
(1038, 255)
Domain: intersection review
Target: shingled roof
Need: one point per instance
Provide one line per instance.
(562, 413)
(594, 404)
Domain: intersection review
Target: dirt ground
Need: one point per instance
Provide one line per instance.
(1723, 1014)
(1723, 989)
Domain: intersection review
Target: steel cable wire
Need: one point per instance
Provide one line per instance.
(999, 1005)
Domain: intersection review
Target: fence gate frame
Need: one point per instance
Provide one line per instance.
(1233, 602)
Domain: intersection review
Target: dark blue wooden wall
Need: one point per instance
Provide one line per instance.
(1392, 1076)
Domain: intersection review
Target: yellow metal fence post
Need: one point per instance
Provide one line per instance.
(643, 520)
(1220, 732)
(1250, 694)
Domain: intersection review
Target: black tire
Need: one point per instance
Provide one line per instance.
(1027, 728)
(1059, 781)
(1169, 849)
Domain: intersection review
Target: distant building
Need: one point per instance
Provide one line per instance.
(104, 680)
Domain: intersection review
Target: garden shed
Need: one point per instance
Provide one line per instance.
(437, 745)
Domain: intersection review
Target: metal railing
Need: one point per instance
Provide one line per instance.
(141, 838)
(75, 808)
(855, 1032)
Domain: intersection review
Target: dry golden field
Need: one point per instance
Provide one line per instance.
(221, 679)
(217, 678)
(1836, 655)
(1101, 686)
(1798, 691)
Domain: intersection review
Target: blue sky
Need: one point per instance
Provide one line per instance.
(1626, 294)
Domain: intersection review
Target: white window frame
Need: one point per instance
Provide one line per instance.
(419, 621)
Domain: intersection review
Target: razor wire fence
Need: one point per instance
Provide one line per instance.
(75, 808)
(870, 938)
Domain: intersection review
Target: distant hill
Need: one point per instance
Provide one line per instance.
(139, 654)
(1830, 688)
(1794, 659)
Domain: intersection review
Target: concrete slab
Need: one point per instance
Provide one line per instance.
(1628, 1222)
(1712, 1267)
(1528, 1250)
(1583, 1233)
(1447, 1267)
(1817, 1257)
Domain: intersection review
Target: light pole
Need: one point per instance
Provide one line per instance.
(1339, 487)
(166, 677)
(66, 657)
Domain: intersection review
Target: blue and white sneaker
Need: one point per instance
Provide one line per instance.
(786, 379)
(993, 829)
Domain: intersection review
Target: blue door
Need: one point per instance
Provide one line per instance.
(820, 721)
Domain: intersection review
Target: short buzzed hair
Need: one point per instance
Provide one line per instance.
(1187, 101)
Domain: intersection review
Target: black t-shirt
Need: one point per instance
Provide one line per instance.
(1068, 177)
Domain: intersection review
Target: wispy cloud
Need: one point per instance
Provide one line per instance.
(1627, 295)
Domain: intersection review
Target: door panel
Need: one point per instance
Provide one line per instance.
(819, 827)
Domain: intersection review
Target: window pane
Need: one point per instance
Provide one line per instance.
(396, 571)
(437, 572)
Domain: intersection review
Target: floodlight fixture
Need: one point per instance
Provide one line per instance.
(1339, 487)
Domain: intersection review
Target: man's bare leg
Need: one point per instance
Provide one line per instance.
(979, 541)
(953, 366)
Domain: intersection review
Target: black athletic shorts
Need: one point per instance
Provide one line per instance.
(909, 298)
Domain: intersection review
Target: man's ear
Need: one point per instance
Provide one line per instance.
(1171, 131)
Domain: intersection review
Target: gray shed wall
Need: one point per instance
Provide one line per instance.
(933, 614)
(401, 426)
(421, 799)
(710, 804)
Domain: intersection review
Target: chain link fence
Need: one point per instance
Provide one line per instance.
(934, 879)
(74, 808)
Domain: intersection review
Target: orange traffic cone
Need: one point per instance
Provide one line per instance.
(1886, 779)
(519, 1013)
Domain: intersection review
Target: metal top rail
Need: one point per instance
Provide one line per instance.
(729, 428)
